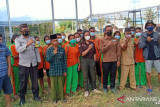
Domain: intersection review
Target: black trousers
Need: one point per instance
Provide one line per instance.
(109, 67)
(24, 73)
(98, 69)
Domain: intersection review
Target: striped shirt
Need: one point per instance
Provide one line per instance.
(4, 53)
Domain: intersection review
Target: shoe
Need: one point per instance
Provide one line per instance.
(114, 91)
(105, 90)
(64, 101)
(21, 102)
(86, 93)
(54, 101)
(96, 91)
(37, 99)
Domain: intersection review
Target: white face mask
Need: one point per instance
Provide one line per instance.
(78, 39)
(63, 37)
(87, 37)
(128, 35)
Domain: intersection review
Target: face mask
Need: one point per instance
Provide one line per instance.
(48, 42)
(87, 37)
(150, 28)
(26, 33)
(138, 34)
(117, 36)
(132, 32)
(81, 35)
(38, 42)
(73, 41)
(128, 35)
(109, 33)
(92, 33)
(59, 40)
(78, 39)
(63, 37)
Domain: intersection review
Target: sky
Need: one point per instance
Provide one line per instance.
(41, 9)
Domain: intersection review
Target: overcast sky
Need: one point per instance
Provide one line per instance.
(41, 9)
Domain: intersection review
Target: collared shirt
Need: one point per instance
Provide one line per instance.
(58, 64)
(111, 53)
(4, 53)
(84, 46)
(127, 57)
(27, 55)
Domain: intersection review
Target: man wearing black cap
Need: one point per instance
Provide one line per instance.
(127, 60)
(150, 42)
(58, 68)
(28, 58)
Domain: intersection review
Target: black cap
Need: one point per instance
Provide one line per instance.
(150, 22)
(54, 36)
(23, 26)
(127, 30)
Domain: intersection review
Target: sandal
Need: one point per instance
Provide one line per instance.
(149, 91)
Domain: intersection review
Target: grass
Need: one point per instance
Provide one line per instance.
(94, 100)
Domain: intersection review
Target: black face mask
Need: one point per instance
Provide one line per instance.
(109, 33)
(26, 33)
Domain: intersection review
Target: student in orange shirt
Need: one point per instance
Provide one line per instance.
(64, 42)
(15, 55)
(40, 66)
(96, 41)
(73, 64)
(46, 64)
(80, 74)
(140, 62)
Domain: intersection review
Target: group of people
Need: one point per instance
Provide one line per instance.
(75, 63)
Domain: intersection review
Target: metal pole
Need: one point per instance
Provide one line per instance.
(9, 21)
(76, 14)
(141, 20)
(158, 20)
(53, 21)
(90, 4)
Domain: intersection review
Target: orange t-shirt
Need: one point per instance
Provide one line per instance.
(72, 55)
(96, 42)
(47, 65)
(14, 52)
(40, 66)
(66, 43)
(138, 53)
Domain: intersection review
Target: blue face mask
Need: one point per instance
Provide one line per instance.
(117, 36)
(92, 33)
(73, 41)
(48, 42)
(81, 35)
(59, 40)
(63, 37)
(38, 42)
(138, 34)
(132, 32)
(150, 28)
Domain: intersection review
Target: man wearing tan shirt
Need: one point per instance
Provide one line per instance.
(127, 60)
(110, 48)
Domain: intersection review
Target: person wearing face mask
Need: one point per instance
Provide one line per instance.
(127, 60)
(15, 66)
(80, 31)
(64, 42)
(150, 43)
(58, 68)
(110, 48)
(28, 58)
(132, 33)
(117, 35)
(80, 74)
(46, 64)
(96, 41)
(73, 65)
(60, 40)
(140, 62)
(88, 53)
(40, 66)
